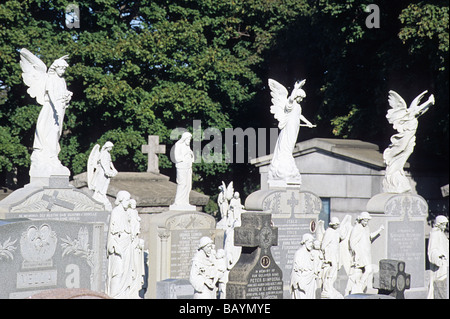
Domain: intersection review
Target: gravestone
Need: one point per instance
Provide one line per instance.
(57, 200)
(37, 255)
(153, 149)
(173, 238)
(392, 279)
(256, 275)
(404, 217)
(294, 213)
(174, 289)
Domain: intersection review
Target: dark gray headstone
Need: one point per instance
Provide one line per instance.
(37, 255)
(294, 213)
(392, 279)
(256, 275)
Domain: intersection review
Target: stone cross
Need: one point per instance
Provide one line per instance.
(293, 202)
(54, 200)
(152, 149)
(393, 280)
(256, 231)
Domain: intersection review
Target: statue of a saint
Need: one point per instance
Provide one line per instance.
(360, 246)
(288, 112)
(204, 271)
(405, 121)
(438, 257)
(50, 90)
(184, 157)
(304, 272)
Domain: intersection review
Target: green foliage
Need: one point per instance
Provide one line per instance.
(147, 67)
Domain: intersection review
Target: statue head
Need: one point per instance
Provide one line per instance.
(59, 66)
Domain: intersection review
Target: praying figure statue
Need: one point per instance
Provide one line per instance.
(184, 157)
(50, 90)
(405, 121)
(288, 112)
(100, 171)
(438, 257)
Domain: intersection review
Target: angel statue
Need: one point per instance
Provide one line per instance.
(288, 112)
(50, 90)
(223, 201)
(405, 121)
(100, 171)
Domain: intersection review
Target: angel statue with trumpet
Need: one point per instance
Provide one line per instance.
(405, 121)
(288, 112)
(50, 90)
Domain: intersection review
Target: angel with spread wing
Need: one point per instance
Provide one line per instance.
(50, 90)
(405, 121)
(288, 112)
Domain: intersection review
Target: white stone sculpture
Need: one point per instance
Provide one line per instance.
(288, 112)
(100, 170)
(50, 90)
(331, 247)
(138, 263)
(360, 245)
(204, 273)
(223, 201)
(221, 264)
(438, 250)
(304, 272)
(184, 157)
(233, 220)
(404, 121)
(124, 251)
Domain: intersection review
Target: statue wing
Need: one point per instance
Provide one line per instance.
(229, 191)
(344, 253)
(279, 100)
(34, 74)
(398, 110)
(92, 165)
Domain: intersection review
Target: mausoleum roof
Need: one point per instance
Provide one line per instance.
(353, 150)
(147, 188)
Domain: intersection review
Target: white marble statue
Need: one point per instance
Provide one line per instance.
(304, 270)
(137, 244)
(100, 170)
(404, 121)
(124, 251)
(204, 272)
(331, 247)
(360, 245)
(221, 264)
(184, 157)
(50, 90)
(223, 201)
(288, 112)
(233, 220)
(438, 250)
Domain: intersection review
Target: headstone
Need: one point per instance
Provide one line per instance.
(256, 275)
(69, 293)
(294, 213)
(404, 217)
(153, 149)
(174, 289)
(37, 255)
(392, 279)
(58, 201)
(172, 238)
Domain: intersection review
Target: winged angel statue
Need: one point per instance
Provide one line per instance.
(405, 121)
(49, 89)
(288, 112)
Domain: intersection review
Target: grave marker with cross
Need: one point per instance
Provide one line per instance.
(255, 275)
(153, 149)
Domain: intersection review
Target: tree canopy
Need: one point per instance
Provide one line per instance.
(149, 66)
